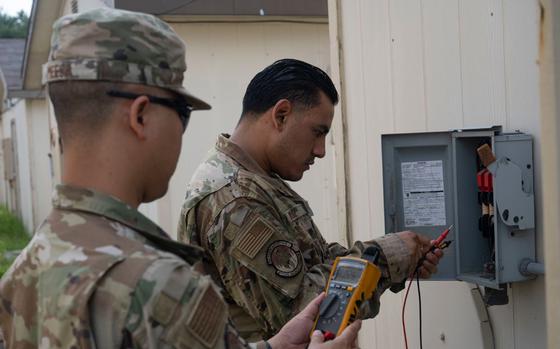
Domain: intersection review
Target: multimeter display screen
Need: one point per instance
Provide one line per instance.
(348, 273)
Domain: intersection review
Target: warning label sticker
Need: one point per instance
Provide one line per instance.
(423, 193)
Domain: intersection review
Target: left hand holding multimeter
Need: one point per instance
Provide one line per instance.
(352, 282)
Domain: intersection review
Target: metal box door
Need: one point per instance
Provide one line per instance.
(430, 182)
(417, 183)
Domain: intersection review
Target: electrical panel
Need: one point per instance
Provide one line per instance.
(434, 180)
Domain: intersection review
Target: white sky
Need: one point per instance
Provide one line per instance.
(12, 7)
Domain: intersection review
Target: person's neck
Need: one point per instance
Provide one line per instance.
(103, 173)
(251, 142)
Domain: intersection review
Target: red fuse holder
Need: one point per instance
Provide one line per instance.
(484, 181)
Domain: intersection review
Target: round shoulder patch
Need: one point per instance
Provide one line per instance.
(284, 256)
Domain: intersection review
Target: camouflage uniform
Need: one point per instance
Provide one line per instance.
(97, 273)
(262, 246)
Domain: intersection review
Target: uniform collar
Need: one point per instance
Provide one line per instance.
(226, 146)
(66, 197)
(233, 151)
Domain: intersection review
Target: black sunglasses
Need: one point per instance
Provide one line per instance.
(178, 104)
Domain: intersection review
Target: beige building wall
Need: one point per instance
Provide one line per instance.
(15, 128)
(26, 125)
(434, 65)
(40, 157)
(222, 57)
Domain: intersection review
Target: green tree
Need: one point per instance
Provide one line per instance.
(13, 26)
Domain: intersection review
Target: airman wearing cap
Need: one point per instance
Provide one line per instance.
(99, 274)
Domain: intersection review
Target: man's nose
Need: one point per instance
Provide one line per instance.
(320, 149)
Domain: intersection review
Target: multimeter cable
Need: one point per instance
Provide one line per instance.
(438, 243)
(416, 274)
(419, 306)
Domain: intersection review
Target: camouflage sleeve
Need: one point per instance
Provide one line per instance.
(173, 306)
(393, 262)
(260, 267)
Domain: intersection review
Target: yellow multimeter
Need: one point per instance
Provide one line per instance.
(352, 282)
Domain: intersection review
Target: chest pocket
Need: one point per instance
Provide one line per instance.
(299, 217)
(305, 232)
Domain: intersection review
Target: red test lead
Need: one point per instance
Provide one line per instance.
(442, 237)
(435, 245)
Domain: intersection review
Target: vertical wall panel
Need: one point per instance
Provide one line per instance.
(41, 176)
(357, 132)
(442, 62)
(356, 114)
(497, 62)
(408, 65)
(476, 69)
(24, 166)
(521, 32)
(378, 98)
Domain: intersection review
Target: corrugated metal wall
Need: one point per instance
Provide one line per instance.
(427, 65)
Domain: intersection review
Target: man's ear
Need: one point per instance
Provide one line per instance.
(136, 119)
(281, 111)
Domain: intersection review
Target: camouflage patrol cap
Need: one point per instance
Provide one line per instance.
(121, 46)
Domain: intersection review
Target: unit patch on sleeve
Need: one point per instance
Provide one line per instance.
(284, 256)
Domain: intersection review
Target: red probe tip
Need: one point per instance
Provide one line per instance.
(443, 235)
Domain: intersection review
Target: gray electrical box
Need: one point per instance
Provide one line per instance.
(432, 180)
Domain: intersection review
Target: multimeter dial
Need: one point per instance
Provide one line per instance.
(329, 306)
(332, 308)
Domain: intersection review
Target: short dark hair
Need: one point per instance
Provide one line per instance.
(81, 108)
(290, 79)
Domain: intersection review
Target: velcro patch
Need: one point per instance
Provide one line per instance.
(295, 212)
(164, 309)
(253, 238)
(170, 296)
(208, 318)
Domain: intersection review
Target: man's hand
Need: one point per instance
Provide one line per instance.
(347, 340)
(429, 265)
(295, 333)
(418, 245)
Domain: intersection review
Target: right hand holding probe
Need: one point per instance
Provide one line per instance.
(427, 265)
